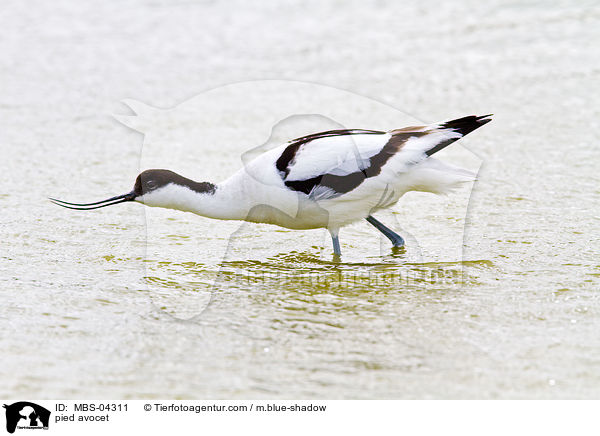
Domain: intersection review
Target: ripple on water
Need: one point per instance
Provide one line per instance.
(300, 280)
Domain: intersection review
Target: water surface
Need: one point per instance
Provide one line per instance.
(104, 304)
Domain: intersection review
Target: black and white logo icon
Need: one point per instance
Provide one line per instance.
(26, 415)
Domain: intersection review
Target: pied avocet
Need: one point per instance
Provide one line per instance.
(328, 179)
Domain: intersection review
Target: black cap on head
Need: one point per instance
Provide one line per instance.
(151, 180)
(146, 182)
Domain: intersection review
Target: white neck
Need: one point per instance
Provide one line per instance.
(222, 203)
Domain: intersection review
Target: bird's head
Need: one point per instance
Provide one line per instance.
(150, 188)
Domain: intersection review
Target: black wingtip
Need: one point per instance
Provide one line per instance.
(466, 125)
(463, 126)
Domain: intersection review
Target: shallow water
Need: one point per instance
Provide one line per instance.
(127, 302)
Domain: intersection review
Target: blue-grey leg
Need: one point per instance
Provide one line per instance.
(336, 245)
(396, 239)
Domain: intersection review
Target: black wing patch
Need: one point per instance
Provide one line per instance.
(287, 157)
(337, 185)
(463, 126)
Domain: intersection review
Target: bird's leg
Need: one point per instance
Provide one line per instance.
(396, 239)
(336, 245)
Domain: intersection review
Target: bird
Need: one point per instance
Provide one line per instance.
(328, 179)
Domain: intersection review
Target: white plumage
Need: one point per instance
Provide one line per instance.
(338, 155)
(327, 179)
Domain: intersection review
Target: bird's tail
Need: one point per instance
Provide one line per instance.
(439, 177)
